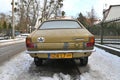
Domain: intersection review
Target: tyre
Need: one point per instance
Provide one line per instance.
(38, 61)
(83, 61)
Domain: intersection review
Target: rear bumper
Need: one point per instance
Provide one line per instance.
(60, 51)
(47, 54)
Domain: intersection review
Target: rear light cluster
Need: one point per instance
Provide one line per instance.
(29, 43)
(91, 42)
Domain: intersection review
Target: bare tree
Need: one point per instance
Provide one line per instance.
(4, 24)
(51, 8)
(91, 17)
(30, 10)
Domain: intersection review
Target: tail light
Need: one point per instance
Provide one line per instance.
(29, 43)
(91, 42)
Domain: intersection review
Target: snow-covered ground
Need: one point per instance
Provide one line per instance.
(102, 66)
(114, 45)
(12, 41)
(109, 41)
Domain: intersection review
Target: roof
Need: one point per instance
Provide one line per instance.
(112, 14)
(38, 22)
(61, 17)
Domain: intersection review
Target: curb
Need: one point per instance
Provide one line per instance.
(109, 49)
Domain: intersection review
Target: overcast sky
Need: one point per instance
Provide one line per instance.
(72, 7)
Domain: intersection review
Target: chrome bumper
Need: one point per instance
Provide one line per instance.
(60, 51)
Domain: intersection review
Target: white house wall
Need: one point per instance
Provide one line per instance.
(114, 13)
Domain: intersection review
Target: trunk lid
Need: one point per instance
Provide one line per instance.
(61, 36)
(59, 39)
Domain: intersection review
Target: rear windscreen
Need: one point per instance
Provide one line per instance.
(60, 25)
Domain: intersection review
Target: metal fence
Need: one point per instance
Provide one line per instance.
(106, 33)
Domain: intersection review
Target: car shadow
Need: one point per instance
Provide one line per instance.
(82, 69)
(50, 67)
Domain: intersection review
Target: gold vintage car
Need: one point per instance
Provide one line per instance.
(60, 39)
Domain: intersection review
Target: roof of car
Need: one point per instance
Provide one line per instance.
(62, 18)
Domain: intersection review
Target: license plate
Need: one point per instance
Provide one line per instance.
(62, 55)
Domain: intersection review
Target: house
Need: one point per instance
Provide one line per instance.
(112, 14)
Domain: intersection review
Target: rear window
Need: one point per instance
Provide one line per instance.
(60, 25)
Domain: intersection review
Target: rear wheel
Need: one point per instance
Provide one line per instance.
(84, 61)
(38, 61)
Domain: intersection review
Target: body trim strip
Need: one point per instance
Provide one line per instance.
(59, 51)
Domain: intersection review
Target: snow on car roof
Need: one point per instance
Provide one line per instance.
(62, 17)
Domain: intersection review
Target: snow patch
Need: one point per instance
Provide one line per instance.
(11, 41)
(114, 45)
(118, 50)
(101, 66)
(11, 69)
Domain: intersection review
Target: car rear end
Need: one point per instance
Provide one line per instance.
(61, 42)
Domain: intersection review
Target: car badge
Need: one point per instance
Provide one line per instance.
(41, 39)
